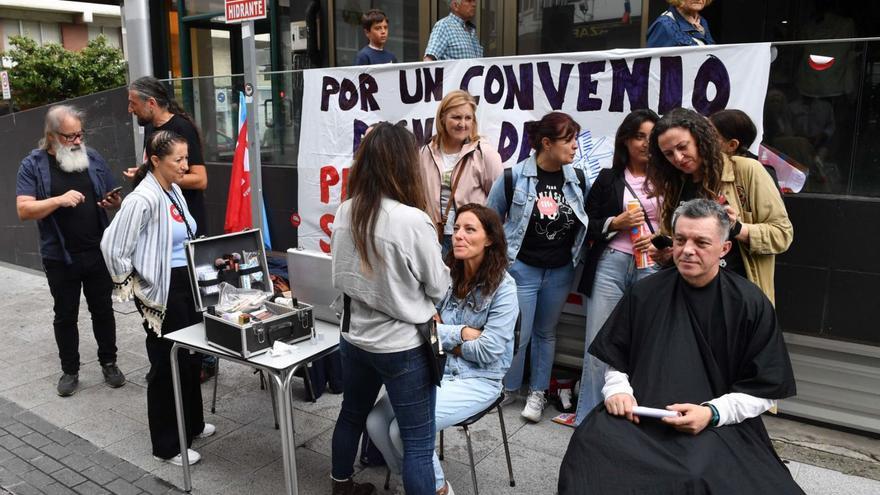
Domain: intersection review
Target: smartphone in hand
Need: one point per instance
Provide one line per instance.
(662, 242)
(116, 190)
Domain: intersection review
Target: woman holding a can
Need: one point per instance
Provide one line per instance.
(622, 220)
(686, 162)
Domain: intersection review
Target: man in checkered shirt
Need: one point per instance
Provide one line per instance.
(455, 36)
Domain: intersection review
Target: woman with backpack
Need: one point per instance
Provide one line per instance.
(541, 201)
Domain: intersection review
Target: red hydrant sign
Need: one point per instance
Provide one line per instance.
(245, 10)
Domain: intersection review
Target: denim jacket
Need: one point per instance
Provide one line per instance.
(34, 180)
(495, 315)
(516, 221)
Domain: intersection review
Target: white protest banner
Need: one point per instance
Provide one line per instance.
(597, 89)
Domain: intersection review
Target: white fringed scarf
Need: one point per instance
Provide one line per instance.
(137, 249)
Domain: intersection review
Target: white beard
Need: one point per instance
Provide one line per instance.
(71, 158)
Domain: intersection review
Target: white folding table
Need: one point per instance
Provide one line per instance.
(280, 370)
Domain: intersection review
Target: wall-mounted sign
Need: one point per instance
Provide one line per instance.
(245, 10)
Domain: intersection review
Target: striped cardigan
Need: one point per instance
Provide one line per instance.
(137, 249)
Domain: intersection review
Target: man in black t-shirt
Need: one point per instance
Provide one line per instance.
(67, 189)
(150, 102)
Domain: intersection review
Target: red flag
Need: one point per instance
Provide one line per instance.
(238, 203)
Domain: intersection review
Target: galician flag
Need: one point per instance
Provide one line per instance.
(238, 202)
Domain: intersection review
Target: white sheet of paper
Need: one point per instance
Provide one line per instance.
(651, 412)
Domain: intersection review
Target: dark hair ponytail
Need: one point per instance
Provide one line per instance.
(735, 124)
(158, 145)
(149, 87)
(554, 126)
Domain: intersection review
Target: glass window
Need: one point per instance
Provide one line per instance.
(811, 108)
(10, 28)
(31, 29)
(866, 166)
(403, 29)
(204, 6)
(577, 25)
(50, 32)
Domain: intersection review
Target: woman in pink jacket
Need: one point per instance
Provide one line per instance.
(459, 166)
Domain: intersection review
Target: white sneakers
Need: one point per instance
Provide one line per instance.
(534, 406)
(207, 431)
(448, 488)
(194, 458)
(565, 398)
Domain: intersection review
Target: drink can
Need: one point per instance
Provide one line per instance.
(642, 260)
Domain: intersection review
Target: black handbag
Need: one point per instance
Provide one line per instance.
(434, 348)
(428, 330)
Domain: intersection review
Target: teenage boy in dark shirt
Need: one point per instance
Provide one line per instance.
(375, 24)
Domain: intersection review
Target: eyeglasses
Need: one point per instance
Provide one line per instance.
(72, 137)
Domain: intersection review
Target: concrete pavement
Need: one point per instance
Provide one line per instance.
(109, 426)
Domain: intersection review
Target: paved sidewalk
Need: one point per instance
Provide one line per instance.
(38, 457)
(102, 432)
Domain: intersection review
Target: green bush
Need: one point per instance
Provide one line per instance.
(47, 74)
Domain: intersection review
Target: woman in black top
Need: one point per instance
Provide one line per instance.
(611, 267)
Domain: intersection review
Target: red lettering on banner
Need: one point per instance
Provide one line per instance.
(329, 177)
(344, 184)
(326, 226)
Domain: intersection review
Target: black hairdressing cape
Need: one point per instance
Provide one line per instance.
(655, 336)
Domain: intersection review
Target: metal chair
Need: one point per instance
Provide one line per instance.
(473, 419)
(467, 433)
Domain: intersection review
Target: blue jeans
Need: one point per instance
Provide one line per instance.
(615, 273)
(457, 400)
(541, 293)
(407, 381)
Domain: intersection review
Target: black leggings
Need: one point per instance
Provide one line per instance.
(179, 313)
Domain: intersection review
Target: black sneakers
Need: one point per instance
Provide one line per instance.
(112, 375)
(349, 487)
(67, 384)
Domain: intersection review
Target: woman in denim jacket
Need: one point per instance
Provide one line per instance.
(545, 225)
(476, 326)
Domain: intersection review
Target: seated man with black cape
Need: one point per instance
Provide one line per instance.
(702, 342)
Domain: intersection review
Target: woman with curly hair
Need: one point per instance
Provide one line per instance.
(477, 318)
(686, 162)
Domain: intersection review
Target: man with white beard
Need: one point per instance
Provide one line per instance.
(67, 188)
